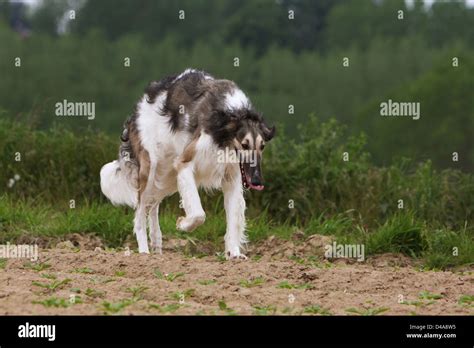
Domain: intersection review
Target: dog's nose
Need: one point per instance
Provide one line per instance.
(256, 181)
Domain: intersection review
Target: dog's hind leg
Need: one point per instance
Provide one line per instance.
(139, 228)
(234, 203)
(145, 179)
(155, 231)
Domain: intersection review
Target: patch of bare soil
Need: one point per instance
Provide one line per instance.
(282, 277)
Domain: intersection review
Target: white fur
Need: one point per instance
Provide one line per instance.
(185, 72)
(189, 71)
(234, 204)
(165, 149)
(116, 182)
(187, 187)
(151, 126)
(236, 100)
(205, 171)
(208, 171)
(155, 134)
(155, 230)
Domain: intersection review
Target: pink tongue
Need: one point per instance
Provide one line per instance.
(257, 187)
(253, 187)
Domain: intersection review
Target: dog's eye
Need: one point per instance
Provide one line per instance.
(245, 146)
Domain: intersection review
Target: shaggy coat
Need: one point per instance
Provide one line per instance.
(174, 141)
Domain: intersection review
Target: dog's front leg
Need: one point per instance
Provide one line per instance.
(234, 203)
(188, 190)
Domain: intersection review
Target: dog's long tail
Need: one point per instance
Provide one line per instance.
(118, 179)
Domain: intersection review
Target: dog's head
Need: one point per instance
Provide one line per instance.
(250, 137)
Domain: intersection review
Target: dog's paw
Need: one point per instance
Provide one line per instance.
(235, 256)
(189, 224)
(156, 244)
(156, 249)
(180, 223)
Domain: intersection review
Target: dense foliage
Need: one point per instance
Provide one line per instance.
(323, 171)
(283, 64)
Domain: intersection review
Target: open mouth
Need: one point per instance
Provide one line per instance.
(247, 182)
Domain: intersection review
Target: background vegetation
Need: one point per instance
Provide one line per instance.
(309, 187)
(282, 62)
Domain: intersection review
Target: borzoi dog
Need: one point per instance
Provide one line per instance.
(175, 141)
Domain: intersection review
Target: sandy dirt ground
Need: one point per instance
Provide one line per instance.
(280, 277)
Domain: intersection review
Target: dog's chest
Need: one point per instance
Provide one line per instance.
(209, 173)
(209, 169)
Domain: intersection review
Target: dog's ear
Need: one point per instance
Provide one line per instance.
(226, 115)
(235, 116)
(231, 120)
(268, 133)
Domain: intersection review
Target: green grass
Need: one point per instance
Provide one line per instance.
(400, 234)
(170, 308)
(137, 291)
(181, 296)
(116, 307)
(167, 276)
(250, 283)
(58, 302)
(336, 225)
(49, 276)
(286, 285)
(84, 270)
(425, 298)
(466, 300)
(38, 267)
(418, 303)
(264, 310)
(447, 248)
(367, 311)
(3, 263)
(223, 307)
(57, 221)
(426, 295)
(316, 309)
(52, 286)
(94, 293)
(404, 232)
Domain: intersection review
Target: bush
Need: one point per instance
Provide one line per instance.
(308, 173)
(400, 234)
(55, 164)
